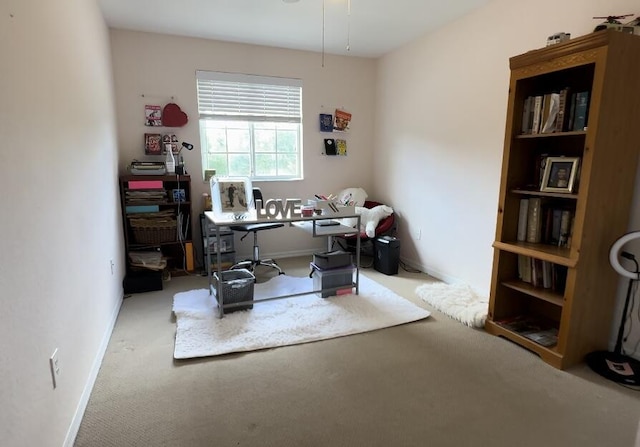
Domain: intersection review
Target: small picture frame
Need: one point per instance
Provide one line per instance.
(231, 195)
(179, 195)
(560, 174)
(152, 144)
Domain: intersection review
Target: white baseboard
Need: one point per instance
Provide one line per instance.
(72, 432)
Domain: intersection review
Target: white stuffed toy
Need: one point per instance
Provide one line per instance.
(370, 217)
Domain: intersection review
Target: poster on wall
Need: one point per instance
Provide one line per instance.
(152, 115)
(342, 120)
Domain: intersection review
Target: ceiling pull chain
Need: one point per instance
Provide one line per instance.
(323, 32)
(348, 25)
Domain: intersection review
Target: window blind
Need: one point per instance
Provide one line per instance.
(248, 97)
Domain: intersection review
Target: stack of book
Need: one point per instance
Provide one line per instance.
(562, 111)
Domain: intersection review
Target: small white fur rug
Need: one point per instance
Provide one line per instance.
(284, 322)
(457, 301)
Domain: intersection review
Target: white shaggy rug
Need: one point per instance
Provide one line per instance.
(457, 301)
(284, 322)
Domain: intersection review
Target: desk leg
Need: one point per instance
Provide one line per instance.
(220, 278)
(358, 258)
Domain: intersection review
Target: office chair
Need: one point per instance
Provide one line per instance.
(250, 264)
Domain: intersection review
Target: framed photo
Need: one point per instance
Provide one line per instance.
(231, 195)
(179, 195)
(152, 144)
(560, 174)
(152, 115)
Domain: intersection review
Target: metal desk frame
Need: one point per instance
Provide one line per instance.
(307, 224)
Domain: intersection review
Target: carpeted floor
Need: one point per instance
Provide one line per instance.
(432, 382)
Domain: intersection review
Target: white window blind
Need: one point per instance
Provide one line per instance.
(248, 97)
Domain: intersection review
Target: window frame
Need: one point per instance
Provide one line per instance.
(227, 97)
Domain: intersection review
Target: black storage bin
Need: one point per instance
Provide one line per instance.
(332, 259)
(142, 281)
(386, 255)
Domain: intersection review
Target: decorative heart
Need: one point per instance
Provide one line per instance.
(173, 116)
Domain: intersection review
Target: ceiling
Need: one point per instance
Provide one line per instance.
(373, 27)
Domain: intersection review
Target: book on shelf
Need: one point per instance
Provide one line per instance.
(537, 113)
(581, 111)
(527, 115)
(532, 328)
(524, 268)
(565, 221)
(534, 220)
(563, 115)
(542, 274)
(552, 105)
(522, 220)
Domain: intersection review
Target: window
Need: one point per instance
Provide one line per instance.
(250, 125)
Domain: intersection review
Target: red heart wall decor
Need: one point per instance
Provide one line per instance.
(173, 116)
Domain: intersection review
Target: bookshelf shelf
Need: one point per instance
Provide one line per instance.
(543, 294)
(557, 195)
(553, 135)
(579, 300)
(544, 252)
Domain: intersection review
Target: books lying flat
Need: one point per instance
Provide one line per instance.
(532, 328)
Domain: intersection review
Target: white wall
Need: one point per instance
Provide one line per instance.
(60, 223)
(440, 117)
(161, 67)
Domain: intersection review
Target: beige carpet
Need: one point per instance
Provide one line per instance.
(434, 382)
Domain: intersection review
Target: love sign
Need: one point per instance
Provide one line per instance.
(274, 208)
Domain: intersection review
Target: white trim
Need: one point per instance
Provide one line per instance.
(72, 432)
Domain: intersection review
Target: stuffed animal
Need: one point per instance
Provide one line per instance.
(369, 218)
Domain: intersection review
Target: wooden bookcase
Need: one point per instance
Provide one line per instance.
(175, 244)
(581, 308)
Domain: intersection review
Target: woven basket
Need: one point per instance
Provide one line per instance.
(148, 231)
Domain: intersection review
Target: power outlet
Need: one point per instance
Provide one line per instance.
(112, 266)
(54, 364)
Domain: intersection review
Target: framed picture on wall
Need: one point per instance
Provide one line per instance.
(152, 144)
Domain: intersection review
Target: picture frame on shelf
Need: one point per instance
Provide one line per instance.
(179, 195)
(231, 195)
(560, 174)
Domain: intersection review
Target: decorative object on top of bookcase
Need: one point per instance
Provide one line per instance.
(611, 22)
(549, 269)
(560, 174)
(558, 38)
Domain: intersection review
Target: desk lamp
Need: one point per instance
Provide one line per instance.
(180, 169)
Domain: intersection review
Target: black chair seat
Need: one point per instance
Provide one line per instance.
(256, 226)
